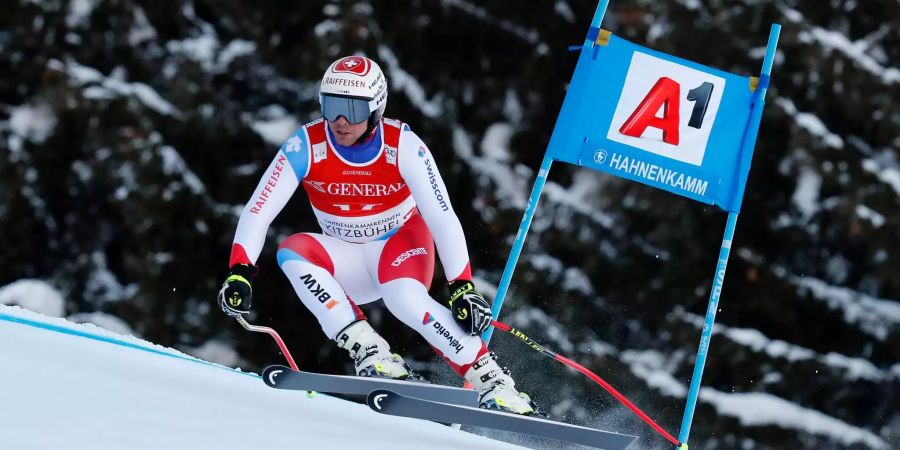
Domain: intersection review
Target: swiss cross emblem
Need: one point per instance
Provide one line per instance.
(293, 144)
(352, 64)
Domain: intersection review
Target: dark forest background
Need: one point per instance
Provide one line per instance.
(132, 133)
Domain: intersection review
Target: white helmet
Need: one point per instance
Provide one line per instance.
(353, 87)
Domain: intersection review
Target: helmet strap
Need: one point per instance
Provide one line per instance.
(370, 129)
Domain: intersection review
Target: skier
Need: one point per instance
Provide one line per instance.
(382, 206)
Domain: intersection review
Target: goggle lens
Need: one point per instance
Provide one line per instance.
(355, 110)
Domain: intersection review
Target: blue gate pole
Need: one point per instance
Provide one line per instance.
(599, 13)
(536, 191)
(749, 141)
(711, 309)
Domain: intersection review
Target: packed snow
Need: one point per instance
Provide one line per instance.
(81, 387)
(35, 295)
(34, 121)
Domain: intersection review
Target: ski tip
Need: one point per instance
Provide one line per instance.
(270, 374)
(379, 398)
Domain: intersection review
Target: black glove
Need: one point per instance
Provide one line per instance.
(469, 308)
(236, 295)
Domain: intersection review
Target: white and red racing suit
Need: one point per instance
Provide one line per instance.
(382, 207)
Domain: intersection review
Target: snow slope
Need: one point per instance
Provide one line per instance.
(77, 386)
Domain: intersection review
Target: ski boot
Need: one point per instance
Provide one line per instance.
(496, 388)
(371, 354)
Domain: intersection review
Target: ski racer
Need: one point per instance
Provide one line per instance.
(382, 208)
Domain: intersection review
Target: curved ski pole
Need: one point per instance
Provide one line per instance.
(260, 329)
(549, 353)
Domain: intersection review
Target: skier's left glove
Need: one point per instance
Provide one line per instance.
(236, 295)
(469, 308)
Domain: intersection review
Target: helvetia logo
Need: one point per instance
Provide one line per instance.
(443, 332)
(353, 64)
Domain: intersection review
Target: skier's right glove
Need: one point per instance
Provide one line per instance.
(470, 310)
(236, 295)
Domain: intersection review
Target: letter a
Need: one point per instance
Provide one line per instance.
(665, 93)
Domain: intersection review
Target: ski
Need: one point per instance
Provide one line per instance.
(393, 403)
(282, 377)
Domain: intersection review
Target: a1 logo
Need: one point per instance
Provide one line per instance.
(667, 109)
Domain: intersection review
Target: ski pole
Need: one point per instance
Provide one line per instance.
(259, 329)
(547, 352)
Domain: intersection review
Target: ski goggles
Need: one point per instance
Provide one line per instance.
(355, 110)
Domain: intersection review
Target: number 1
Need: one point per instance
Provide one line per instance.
(701, 95)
